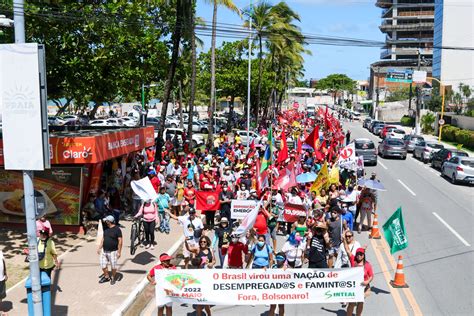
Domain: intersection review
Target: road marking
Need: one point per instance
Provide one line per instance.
(406, 187)
(408, 294)
(395, 294)
(383, 165)
(452, 230)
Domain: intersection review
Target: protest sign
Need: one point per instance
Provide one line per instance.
(240, 208)
(207, 201)
(292, 211)
(258, 287)
(347, 157)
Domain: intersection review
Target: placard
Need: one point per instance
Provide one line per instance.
(240, 208)
(291, 212)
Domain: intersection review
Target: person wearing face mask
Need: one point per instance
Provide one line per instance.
(294, 249)
(261, 254)
(222, 238)
(225, 198)
(242, 193)
(318, 246)
(280, 259)
(236, 252)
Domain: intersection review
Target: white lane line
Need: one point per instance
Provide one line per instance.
(406, 187)
(383, 166)
(452, 230)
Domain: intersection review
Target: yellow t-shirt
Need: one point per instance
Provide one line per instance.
(48, 261)
(237, 139)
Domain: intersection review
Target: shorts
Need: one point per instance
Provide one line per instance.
(333, 250)
(107, 257)
(191, 243)
(273, 232)
(3, 290)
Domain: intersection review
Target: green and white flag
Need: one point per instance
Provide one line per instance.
(394, 231)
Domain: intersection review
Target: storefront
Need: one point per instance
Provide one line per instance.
(78, 160)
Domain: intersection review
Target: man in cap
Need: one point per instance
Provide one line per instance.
(165, 263)
(110, 249)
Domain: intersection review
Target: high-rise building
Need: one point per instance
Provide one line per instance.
(454, 29)
(408, 27)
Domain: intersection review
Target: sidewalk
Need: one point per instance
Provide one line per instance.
(76, 290)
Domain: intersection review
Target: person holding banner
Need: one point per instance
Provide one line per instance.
(235, 253)
(261, 254)
(165, 263)
(280, 264)
(359, 260)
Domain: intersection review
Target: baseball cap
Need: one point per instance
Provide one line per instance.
(165, 257)
(109, 218)
(224, 219)
(360, 250)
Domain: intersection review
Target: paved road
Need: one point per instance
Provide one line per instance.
(438, 262)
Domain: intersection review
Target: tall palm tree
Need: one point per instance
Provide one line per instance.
(229, 4)
(182, 11)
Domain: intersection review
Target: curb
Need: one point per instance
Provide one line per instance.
(143, 283)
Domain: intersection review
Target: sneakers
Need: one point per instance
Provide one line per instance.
(104, 280)
(112, 281)
(147, 246)
(167, 232)
(152, 247)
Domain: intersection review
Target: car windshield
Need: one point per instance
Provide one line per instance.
(364, 145)
(417, 139)
(460, 154)
(398, 131)
(468, 162)
(394, 142)
(435, 146)
(421, 143)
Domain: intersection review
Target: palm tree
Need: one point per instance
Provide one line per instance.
(182, 9)
(230, 5)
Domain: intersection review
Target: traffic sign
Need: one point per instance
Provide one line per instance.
(399, 75)
(441, 122)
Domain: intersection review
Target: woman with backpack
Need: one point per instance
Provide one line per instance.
(47, 254)
(261, 254)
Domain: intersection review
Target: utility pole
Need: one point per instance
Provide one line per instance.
(417, 113)
(249, 76)
(28, 188)
(377, 91)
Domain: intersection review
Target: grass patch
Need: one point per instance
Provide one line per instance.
(470, 151)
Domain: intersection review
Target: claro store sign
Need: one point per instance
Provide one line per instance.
(94, 149)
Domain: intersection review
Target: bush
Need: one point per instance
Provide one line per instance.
(407, 121)
(449, 133)
(465, 137)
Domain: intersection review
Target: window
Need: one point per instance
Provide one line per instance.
(468, 162)
(395, 142)
(364, 145)
(435, 146)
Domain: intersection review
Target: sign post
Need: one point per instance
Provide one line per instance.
(405, 76)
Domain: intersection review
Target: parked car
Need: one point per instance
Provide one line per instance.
(366, 148)
(392, 147)
(424, 150)
(386, 129)
(396, 133)
(153, 121)
(114, 122)
(172, 121)
(372, 123)
(98, 123)
(378, 128)
(459, 169)
(411, 141)
(69, 118)
(55, 121)
(253, 135)
(366, 122)
(445, 154)
(171, 133)
(129, 121)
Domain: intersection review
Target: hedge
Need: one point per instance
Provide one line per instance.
(407, 121)
(460, 136)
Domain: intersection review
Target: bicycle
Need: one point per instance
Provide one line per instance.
(137, 235)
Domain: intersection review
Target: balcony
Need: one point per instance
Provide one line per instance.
(383, 3)
(413, 40)
(409, 51)
(420, 14)
(422, 26)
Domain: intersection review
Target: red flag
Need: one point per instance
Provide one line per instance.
(298, 146)
(252, 144)
(287, 179)
(331, 151)
(283, 153)
(313, 138)
(207, 201)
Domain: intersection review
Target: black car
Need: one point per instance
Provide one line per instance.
(366, 148)
(445, 154)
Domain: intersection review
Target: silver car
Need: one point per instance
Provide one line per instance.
(392, 147)
(459, 169)
(424, 150)
(412, 140)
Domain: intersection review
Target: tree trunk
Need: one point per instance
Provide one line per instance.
(175, 38)
(210, 128)
(62, 108)
(259, 82)
(94, 110)
(180, 109)
(230, 120)
(193, 79)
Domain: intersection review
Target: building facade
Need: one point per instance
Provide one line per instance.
(408, 26)
(453, 63)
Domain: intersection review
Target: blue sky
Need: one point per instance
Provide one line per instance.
(343, 18)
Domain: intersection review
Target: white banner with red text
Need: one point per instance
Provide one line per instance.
(240, 208)
(259, 287)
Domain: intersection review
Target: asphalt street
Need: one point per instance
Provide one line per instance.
(438, 262)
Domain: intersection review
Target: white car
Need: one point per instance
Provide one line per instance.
(253, 135)
(171, 133)
(115, 122)
(172, 121)
(99, 123)
(396, 133)
(459, 169)
(129, 121)
(69, 118)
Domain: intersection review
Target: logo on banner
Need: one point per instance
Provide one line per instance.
(211, 200)
(84, 154)
(20, 101)
(180, 281)
(137, 140)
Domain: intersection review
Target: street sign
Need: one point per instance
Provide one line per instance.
(441, 122)
(419, 76)
(405, 76)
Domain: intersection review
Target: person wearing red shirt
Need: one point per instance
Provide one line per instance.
(165, 263)
(359, 261)
(190, 194)
(234, 253)
(260, 226)
(155, 182)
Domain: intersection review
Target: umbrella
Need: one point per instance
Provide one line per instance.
(306, 146)
(306, 177)
(371, 184)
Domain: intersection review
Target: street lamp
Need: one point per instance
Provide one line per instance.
(442, 90)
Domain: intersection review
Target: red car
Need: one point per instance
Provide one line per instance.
(386, 129)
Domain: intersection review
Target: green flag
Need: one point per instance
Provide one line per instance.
(394, 231)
